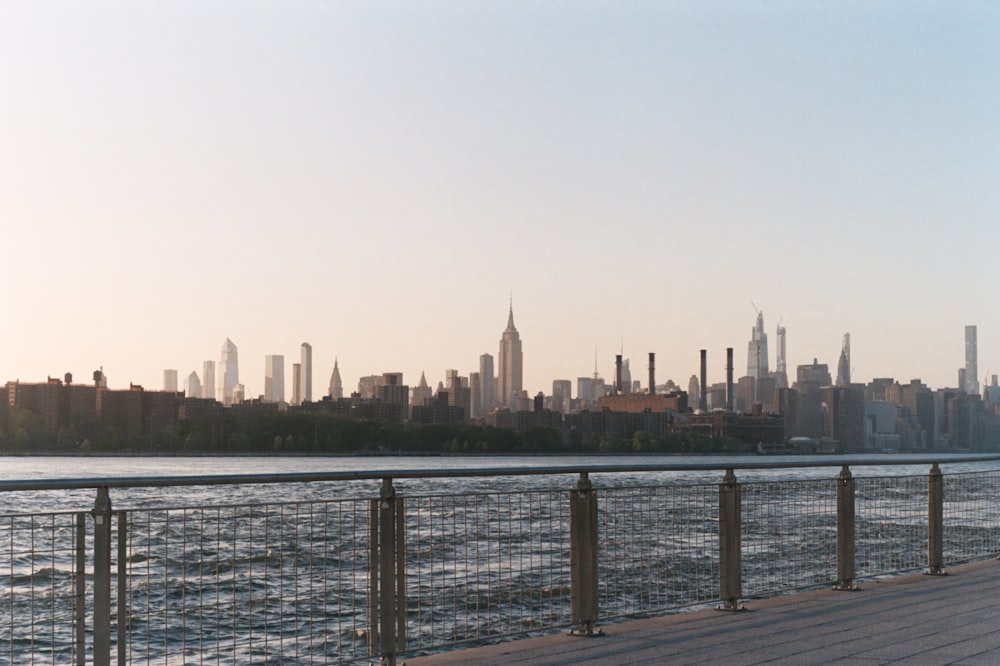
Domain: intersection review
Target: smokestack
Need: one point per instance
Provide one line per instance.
(652, 373)
(729, 379)
(703, 399)
(618, 373)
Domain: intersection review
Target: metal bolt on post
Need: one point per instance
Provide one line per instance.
(845, 530)
(583, 557)
(935, 522)
(730, 544)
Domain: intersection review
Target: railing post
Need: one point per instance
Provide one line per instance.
(935, 521)
(845, 530)
(384, 588)
(102, 578)
(730, 547)
(79, 599)
(583, 556)
(123, 615)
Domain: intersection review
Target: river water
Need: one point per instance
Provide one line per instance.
(279, 573)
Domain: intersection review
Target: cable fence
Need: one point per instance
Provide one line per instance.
(346, 580)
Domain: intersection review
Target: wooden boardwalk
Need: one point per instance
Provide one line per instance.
(912, 619)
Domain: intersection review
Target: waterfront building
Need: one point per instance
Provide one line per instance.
(637, 403)
(757, 350)
(810, 419)
(971, 362)
(336, 385)
(921, 402)
(845, 417)
(488, 394)
(510, 377)
(274, 378)
(882, 426)
(192, 386)
(229, 372)
(438, 411)
(207, 380)
(392, 391)
(170, 381)
(306, 376)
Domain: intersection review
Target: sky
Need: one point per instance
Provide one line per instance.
(382, 180)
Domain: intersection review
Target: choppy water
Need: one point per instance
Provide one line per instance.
(279, 573)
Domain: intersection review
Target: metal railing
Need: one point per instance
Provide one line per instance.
(341, 580)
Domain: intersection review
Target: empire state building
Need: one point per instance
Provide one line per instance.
(511, 364)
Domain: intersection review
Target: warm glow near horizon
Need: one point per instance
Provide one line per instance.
(379, 178)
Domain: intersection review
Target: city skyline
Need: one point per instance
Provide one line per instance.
(378, 179)
(510, 344)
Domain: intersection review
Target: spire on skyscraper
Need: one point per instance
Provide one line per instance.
(336, 385)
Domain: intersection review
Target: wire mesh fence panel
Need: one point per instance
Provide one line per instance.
(282, 583)
(971, 516)
(890, 525)
(486, 565)
(789, 536)
(38, 588)
(658, 548)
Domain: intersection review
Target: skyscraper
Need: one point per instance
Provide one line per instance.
(510, 377)
(306, 378)
(229, 372)
(296, 384)
(336, 385)
(561, 390)
(781, 371)
(422, 394)
(208, 380)
(844, 363)
(192, 386)
(274, 378)
(488, 384)
(757, 350)
(170, 381)
(971, 361)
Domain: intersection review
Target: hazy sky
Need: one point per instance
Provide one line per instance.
(379, 178)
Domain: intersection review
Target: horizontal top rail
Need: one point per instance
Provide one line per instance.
(547, 470)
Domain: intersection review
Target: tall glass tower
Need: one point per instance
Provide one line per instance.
(971, 362)
(229, 372)
(306, 370)
(757, 350)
